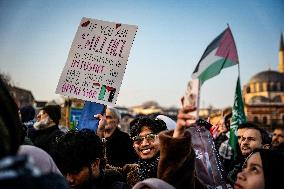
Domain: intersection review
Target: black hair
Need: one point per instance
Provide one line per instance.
(265, 137)
(78, 149)
(278, 127)
(10, 125)
(272, 165)
(156, 125)
(248, 125)
(27, 113)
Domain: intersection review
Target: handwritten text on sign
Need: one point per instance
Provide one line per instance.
(97, 60)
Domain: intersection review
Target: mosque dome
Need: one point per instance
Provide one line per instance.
(268, 76)
(266, 81)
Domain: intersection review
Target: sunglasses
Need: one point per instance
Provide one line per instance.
(149, 137)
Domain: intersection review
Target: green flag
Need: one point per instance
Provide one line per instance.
(238, 117)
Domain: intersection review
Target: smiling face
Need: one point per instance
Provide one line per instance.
(147, 144)
(252, 175)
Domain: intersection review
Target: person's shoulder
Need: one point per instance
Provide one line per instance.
(48, 181)
(113, 178)
(53, 180)
(122, 133)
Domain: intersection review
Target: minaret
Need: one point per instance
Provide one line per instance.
(281, 55)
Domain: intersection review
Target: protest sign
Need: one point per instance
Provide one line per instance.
(97, 61)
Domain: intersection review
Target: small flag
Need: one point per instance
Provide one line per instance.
(238, 117)
(220, 53)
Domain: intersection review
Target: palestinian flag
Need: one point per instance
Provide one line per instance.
(220, 53)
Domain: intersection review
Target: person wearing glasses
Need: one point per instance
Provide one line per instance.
(144, 133)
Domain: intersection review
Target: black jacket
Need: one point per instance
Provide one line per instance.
(119, 149)
(46, 138)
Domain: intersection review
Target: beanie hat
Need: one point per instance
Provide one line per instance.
(273, 166)
(27, 113)
(54, 112)
(156, 125)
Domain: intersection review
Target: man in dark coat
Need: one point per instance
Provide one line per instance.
(46, 128)
(278, 139)
(118, 144)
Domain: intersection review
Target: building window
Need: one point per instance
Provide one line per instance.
(264, 120)
(260, 85)
(257, 87)
(265, 87)
(255, 119)
(248, 89)
(273, 86)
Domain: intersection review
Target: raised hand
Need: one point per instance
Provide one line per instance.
(184, 120)
(102, 124)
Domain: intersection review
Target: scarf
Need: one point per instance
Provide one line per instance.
(13, 167)
(148, 168)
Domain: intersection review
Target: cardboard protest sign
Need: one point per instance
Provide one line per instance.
(97, 61)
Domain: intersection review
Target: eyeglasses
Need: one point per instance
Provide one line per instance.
(149, 137)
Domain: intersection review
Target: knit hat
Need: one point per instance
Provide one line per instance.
(273, 166)
(54, 112)
(156, 125)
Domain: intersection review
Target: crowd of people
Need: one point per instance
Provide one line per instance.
(156, 153)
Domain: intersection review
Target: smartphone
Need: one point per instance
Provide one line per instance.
(87, 119)
(191, 96)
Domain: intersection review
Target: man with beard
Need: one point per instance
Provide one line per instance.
(253, 137)
(278, 139)
(118, 144)
(80, 158)
(46, 128)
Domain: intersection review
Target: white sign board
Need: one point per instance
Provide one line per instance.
(97, 61)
